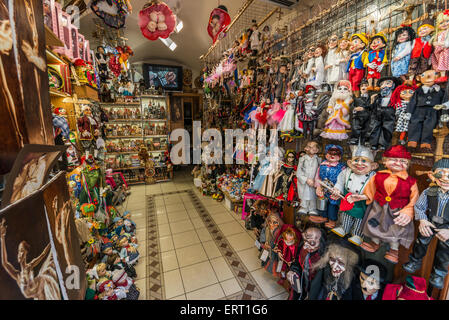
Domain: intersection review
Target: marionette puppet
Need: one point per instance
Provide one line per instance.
(281, 81)
(383, 116)
(287, 247)
(327, 174)
(343, 55)
(414, 288)
(400, 100)
(308, 64)
(300, 275)
(305, 174)
(361, 115)
(88, 130)
(337, 124)
(391, 195)
(423, 116)
(332, 61)
(370, 283)
(375, 60)
(269, 183)
(430, 210)
(102, 59)
(352, 181)
(355, 66)
(307, 112)
(255, 39)
(268, 239)
(275, 114)
(317, 74)
(296, 75)
(262, 114)
(334, 273)
(286, 181)
(422, 50)
(403, 46)
(287, 124)
(440, 56)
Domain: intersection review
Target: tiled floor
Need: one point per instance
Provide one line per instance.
(193, 247)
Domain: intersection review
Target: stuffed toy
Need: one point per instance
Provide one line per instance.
(400, 100)
(156, 20)
(305, 174)
(414, 288)
(403, 45)
(332, 61)
(391, 195)
(300, 276)
(328, 173)
(337, 124)
(440, 56)
(352, 181)
(421, 109)
(422, 50)
(356, 67)
(370, 283)
(361, 115)
(430, 211)
(383, 116)
(375, 60)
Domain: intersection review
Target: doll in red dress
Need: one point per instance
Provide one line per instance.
(287, 247)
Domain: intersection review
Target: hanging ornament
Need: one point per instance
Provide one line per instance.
(112, 12)
(124, 53)
(156, 20)
(218, 22)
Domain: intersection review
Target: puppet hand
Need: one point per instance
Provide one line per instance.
(425, 228)
(371, 65)
(407, 116)
(444, 118)
(442, 234)
(380, 68)
(319, 192)
(310, 182)
(357, 109)
(402, 219)
(396, 59)
(290, 276)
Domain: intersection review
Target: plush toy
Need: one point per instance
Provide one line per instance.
(351, 182)
(391, 194)
(361, 115)
(400, 100)
(430, 210)
(337, 124)
(383, 116)
(356, 67)
(422, 50)
(403, 45)
(423, 116)
(440, 57)
(375, 60)
(328, 173)
(414, 288)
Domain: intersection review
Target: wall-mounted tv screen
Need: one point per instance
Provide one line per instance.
(167, 77)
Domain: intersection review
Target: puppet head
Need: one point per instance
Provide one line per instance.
(397, 159)
(404, 34)
(387, 85)
(402, 93)
(290, 157)
(426, 28)
(362, 161)
(333, 153)
(344, 42)
(364, 85)
(359, 41)
(107, 287)
(372, 276)
(343, 91)
(86, 111)
(320, 51)
(378, 42)
(428, 78)
(312, 148)
(440, 174)
(290, 237)
(310, 52)
(310, 91)
(332, 42)
(443, 21)
(313, 239)
(273, 221)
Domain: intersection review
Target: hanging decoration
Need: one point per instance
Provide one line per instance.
(112, 12)
(124, 53)
(156, 20)
(218, 22)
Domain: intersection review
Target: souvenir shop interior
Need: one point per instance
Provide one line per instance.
(224, 150)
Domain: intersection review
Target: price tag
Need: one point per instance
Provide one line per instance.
(279, 267)
(264, 255)
(257, 244)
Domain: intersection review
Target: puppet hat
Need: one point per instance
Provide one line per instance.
(362, 37)
(345, 83)
(364, 152)
(414, 289)
(309, 87)
(336, 149)
(427, 23)
(397, 152)
(441, 164)
(104, 285)
(380, 35)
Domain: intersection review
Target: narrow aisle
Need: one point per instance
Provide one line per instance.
(193, 247)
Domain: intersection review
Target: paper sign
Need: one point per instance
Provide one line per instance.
(279, 267)
(257, 244)
(264, 255)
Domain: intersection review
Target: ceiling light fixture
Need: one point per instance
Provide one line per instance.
(179, 26)
(169, 43)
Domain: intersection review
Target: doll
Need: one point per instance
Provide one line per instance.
(286, 125)
(128, 251)
(306, 112)
(108, 291)
(400, 99)
(275, 114)
(403, 45)
(375, 60)
(285, 188)
(391, 195)
(414, 288)
(361, 167)
(102, 59)
(268, 185)
(440, 56)
(317, 74)
(382, 115)
(421, 110)
(361, 115)
(356, 67)
(370, 283)
(287, 247)
(122, 280)
(337, 124)
(268, 239)
(262, 114)
(335, 272)
(305, 174)
(332, 61)
(308, 64)
(328, 173)
(422, 50)
(296, 75)
(88, 129)
(430, 210)
(255, 39)
(300, 276)
(343, 55)
(281, 82)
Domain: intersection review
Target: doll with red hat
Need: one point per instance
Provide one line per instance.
(375, 60)
(399, 100)
(391, 195)
(108, 291)
(414, 288)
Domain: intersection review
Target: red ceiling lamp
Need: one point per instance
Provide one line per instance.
(156, 20)
(219, 20)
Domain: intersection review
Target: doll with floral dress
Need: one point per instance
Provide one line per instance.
(403, 45)
(440, 57)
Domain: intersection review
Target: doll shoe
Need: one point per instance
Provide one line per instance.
(339, 231)
(436, 281)
(356, 240)
(370, 88)
(425, 146)
(412, 266)
(412, 144)
(317, 219)
(330, 224)
(377, 89)
(392, 256)
(370, 246)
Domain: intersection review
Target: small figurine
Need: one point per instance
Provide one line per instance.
(440, 57)
(361, 115)
(400, 100)
(403, 45)
(356, 67)
(376, 60)
(430, 210)
(422, 50)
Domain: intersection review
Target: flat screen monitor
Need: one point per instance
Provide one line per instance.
(167, 77)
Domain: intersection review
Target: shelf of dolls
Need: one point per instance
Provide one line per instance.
(125, 120)
(123, 137)
(120, 105)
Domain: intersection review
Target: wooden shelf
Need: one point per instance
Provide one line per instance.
(118, 105)
(51, 39)
(53, 58)
(128, 168)
(59, 93)
(124, 120)
(123, 137)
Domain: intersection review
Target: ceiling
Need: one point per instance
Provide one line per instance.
(193, 41)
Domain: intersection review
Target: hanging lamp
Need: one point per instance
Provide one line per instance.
(156, 20)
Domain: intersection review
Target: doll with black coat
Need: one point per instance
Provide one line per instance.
(361, 114)
(369, 284)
